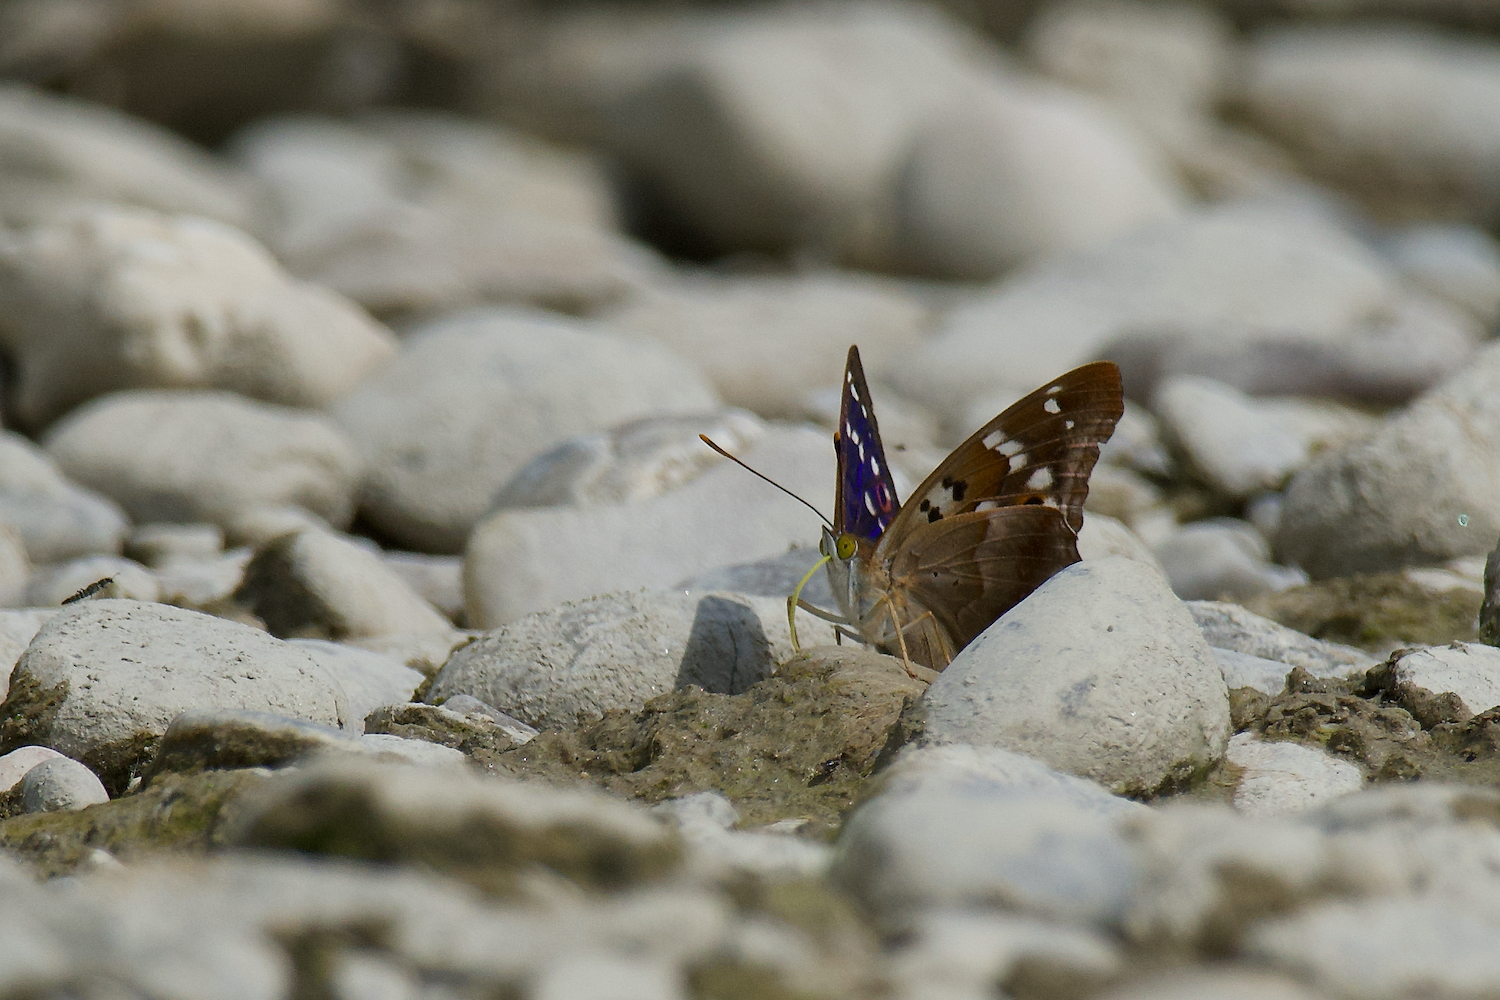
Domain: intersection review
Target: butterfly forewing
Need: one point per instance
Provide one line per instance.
(865, 495)
(1039, 451)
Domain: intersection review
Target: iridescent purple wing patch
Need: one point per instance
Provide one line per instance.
(866, 501)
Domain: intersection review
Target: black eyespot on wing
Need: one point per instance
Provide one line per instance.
(934, 515)
(925, 506)
(1033, 500)
(959, 489)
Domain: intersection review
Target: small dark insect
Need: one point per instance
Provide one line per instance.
(91, 589)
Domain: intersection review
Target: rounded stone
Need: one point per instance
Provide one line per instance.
(61, 784)
(102, 681)
(207, 456)
(427, 424)
(1101, 672)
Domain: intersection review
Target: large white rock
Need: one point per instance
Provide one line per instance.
(580, 660)
(417, 210)
(207, 456)
(102, 680)
(1019, 170)
(766, 341)
(1423, 488)
(1223, 273)
(524, 560)
(60, 150)
(1100, 672)
(473, 396)
(1402, 114)
(106, 298)
(962, 826)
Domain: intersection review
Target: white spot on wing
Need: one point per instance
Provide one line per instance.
(993, 439)
(853, 434)
(1017, 461)
(869, 503)
(1053, 390)
(1069, 424)
(987, 505)
(1052, 406)
(1040, 479)
(1009, 448)
(875, 465)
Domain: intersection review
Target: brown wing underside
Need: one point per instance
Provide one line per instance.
(1040, 451)
(968, 570)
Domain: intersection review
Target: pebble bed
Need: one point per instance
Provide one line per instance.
(375, 626)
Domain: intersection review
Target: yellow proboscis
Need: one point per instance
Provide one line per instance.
(791, 602)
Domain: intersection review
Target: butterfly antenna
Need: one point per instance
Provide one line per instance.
(768, 479)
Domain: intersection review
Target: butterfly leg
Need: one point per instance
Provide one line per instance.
(900, 636)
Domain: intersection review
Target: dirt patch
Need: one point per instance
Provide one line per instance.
(1396, 733)
(798, 745)
(177, 813)
(1375, 611)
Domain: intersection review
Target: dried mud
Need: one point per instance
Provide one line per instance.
(1374, 611)
(799, 745)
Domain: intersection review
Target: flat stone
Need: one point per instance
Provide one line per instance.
(456, 822)
(215, 739)
(102, 681)
(1099, 658)
(392, 749)
(616, 651)
(472, 734)
(60, 784)
(107, 298)
(967, 827)
(318, 584)
(469, 706)
(527, 560)
(207, 456)
(1457, 262)
(425, 424)
(1281, 778)
(1232, 627)
(438, 580)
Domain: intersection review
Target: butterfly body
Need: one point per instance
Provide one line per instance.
(995, 520)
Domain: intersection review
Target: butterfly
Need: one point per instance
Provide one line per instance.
(995, 520)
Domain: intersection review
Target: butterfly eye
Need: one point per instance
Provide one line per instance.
(845, 546)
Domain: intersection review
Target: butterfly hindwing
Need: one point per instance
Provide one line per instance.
(865, 495)
(968, 570)
(1039, 451)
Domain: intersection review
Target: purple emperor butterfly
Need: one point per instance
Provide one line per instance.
(993, 522)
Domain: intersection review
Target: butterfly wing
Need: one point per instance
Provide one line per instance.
(1039, 451)
(969, 569)
(864, 493)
